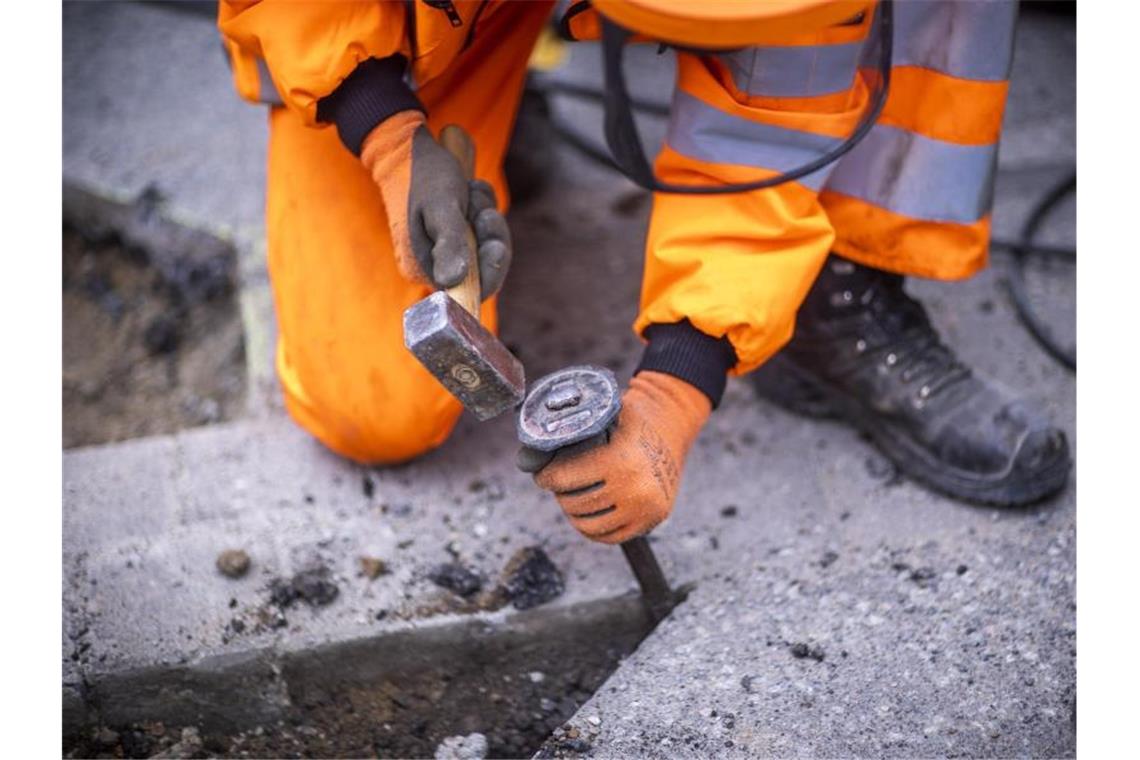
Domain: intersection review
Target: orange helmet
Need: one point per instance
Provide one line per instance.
(724, 24)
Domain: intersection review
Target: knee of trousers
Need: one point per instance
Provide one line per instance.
(373, 422)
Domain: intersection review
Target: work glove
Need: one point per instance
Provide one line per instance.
(430, 205)
(625, 486)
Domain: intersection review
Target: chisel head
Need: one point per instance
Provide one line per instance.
(464, 356)
(569, 406)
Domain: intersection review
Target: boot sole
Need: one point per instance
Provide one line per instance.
(787, 385)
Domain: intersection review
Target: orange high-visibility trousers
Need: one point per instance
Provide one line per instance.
(346, 376)
(913, 197)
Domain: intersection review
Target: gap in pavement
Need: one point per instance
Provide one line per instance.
(398, 695)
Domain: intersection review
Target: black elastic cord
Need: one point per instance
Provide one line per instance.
(1015, 282)
(625, 143)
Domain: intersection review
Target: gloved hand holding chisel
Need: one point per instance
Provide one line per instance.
(625, 485)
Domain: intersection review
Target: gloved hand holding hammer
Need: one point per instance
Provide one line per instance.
(430, 205)
(623, 487)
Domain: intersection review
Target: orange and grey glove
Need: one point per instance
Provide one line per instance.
(626, 486)
(428, 200)
(430, 205)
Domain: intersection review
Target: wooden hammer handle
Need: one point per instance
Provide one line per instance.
(456, 142)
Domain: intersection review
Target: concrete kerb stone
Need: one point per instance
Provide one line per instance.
(150, 629)
(234, 691)
(226, 692)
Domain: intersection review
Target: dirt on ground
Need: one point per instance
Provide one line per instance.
(140, 357)
(404, 696)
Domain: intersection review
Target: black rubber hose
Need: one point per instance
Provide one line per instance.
(1037, 249)
(1015, 282)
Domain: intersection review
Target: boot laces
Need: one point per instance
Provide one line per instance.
(912, 346)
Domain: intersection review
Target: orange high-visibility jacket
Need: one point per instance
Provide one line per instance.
(914, 197)
(295, 52)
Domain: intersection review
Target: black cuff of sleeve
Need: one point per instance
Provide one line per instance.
(683, 351)
(373, 91)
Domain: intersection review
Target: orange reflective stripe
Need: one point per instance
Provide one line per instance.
(945, 108)
(813, 71)
(885, 240)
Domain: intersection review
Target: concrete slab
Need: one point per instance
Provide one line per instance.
(907, 646)
(155, 631)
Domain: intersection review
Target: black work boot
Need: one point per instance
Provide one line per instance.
(865, 351)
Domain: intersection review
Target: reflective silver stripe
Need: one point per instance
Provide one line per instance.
(962, 38)
(794, 72)
(917, 176)
(701, 132)
(266, 90)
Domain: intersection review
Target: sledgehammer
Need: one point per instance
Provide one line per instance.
(444, 333)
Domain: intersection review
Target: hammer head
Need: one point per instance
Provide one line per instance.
(464, 356)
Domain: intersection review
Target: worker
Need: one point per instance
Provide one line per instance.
(365, 216)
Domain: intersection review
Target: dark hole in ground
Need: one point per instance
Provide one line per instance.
(142, 355)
